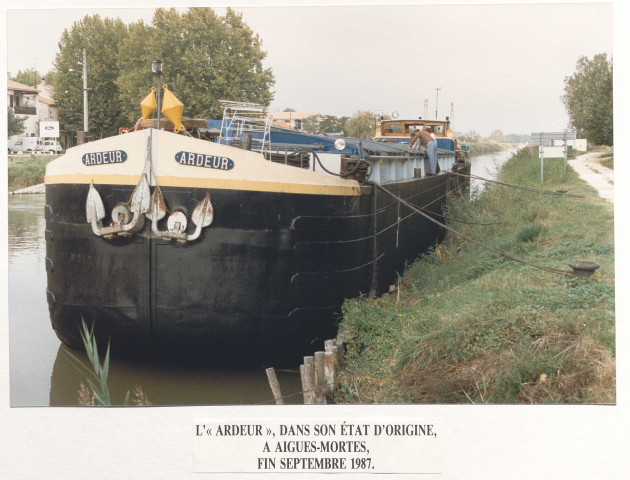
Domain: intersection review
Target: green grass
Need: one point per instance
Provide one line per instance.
(26, 171)
(470, 326)
(609, 160)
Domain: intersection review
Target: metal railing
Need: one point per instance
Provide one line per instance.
(25, 110)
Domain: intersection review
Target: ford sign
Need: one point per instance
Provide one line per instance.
(104, 158)
(204, 160)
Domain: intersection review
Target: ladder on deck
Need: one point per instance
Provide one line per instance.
(244, 117)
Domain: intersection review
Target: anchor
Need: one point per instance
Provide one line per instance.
(127, 218)
(202, 216)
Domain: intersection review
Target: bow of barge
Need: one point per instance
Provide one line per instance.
(160, 238)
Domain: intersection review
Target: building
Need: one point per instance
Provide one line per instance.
(33, 103)
(47, 108)
(293, 120)
(24, 100)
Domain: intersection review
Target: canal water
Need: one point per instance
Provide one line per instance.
(487, 166)
(41, 373)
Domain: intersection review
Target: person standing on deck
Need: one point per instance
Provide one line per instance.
(429, 143)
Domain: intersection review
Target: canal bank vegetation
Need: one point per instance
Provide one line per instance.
(608, 160)
(465, 325)
(25, 171)
(95, 391)
(477, 145)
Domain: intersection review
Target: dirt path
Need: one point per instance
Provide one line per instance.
(589, 168)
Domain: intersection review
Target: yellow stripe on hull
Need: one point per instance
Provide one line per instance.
(213, 183)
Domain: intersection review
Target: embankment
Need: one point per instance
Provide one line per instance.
(25, 171)
(468, 326)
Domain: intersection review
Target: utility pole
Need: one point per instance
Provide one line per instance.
(156, 70)
(82, 137)
(437, 91)
(85, 94)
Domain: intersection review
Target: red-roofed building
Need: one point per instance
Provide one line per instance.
(23, 100)
(32, 103)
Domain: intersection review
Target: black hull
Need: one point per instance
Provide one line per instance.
(264, 282)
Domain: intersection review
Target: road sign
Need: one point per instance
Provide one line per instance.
(122, 130)
(538, 138)
(542, 138)
(49, 129)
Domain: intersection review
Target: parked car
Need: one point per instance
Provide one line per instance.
(26, 145)
(51, 146)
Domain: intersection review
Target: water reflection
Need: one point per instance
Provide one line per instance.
(35, 351)
(26, 225)
(172, 383)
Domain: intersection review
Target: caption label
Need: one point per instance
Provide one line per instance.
(324, 446)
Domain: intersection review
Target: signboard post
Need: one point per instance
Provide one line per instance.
(540, 138)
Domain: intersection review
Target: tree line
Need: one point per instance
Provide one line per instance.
(588, 99)
(206, 57)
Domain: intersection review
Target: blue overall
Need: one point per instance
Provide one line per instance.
(432, 153)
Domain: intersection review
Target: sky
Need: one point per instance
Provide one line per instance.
(497, 66)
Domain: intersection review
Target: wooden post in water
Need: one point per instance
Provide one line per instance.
(339, 343)
(320, 378)
(275, 386)
(329, 371)
(309, 375)
(305, 392)
(332, 365)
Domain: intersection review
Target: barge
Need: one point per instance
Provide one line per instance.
(243, 239)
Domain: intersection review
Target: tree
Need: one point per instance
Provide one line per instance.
(497, 136)
(50, 77)
(332, 124)
(15, 125)
(29, 77)
(101, 39)
(206, 58)
(588, 99)
(361, 125)
(311, 124)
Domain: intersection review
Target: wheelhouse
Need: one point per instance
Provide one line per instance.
(390, 131)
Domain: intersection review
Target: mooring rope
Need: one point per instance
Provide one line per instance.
(520, 187)
(470, 239)
(443, 216)
(459, 234)
(451, 219)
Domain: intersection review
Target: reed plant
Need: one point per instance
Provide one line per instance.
(96, 392)
(469, 326)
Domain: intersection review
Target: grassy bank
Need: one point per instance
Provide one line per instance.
(608, 160)
(469, 326)
(482, 148)
(25, 171)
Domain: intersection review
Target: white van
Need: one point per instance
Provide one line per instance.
(26, 145)
(51, 146)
